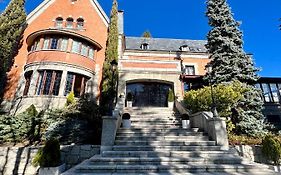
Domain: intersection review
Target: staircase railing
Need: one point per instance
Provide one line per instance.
(214, 127)
(110, 126)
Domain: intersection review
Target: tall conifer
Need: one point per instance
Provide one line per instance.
(109, 78)
(230, 62)
(12, 25)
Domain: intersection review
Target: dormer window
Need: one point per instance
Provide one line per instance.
(69, 22)
(184, 48)
(80, 23)
(145, 46)
(59, 22)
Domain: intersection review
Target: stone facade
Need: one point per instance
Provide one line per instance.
(17, 160)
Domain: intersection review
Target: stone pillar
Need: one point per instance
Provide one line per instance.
(217, 131)
(34, 79)
(63, 82)
(109, 128)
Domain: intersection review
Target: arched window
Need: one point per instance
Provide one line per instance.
(69, 22)
(59, 22)
(80, 23)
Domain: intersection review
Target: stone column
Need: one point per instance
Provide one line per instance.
(217, 131)
(63, 82)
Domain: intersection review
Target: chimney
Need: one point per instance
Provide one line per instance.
(121, 22)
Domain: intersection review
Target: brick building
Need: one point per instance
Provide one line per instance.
(63, 51)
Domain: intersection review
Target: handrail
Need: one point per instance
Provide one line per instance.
(181, 109)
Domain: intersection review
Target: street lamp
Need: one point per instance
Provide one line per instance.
(113, 65)
(214, 107)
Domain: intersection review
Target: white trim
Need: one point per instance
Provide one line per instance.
(191, 64)
(101, 12)
(38, 10)
(46, 3)
(174, 55)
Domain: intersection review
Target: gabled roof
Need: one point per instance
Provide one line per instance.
(165, 44)
(46, 3)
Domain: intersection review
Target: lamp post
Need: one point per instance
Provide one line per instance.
(113, 65)
(214, 107)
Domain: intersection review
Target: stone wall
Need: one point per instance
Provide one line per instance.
(17, 160)
(251, 152)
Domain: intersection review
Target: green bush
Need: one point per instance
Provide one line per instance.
(70, 99)
(171, 96)
(271, 148)
(21, 127)
(225, 95)
(49, 155)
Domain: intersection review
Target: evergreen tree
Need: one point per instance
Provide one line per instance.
(109, 78)
(230, 62)
(12, 25)
(147, 34)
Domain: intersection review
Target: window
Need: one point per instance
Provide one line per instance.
(69, 22)
(275, 92)
(80, 23)
(36, 45)
(46, 43)
(64, 44)
(75, 46)
(189, 70)
(75, 83)
(266, 93)
(144, 46)
(84, 50)
(184, 48)
(59, 22)
(91, 53)
(27, 76)
(187, 86)
(48, 82)
(54, 43)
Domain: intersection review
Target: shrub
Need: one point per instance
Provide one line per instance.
(70, 99)
(171, 96)
(271, 148)
(225, 95)
(49, 155)
(243, 140)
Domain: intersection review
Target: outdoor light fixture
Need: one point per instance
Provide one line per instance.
(114, 65)
(214, 107)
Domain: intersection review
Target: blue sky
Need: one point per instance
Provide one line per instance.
(186, 19)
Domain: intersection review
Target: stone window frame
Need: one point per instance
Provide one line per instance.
(55, 80)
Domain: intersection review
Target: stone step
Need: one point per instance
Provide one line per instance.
(174, 169)
(184, 173)
(150, 119)
(139, 134)
(157, 130)
(162, 138)
(98, 160)
(156, 126)
(163, 153)
(166, 143)
(166, 148)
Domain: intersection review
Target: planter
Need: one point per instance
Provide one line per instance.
(129, 104)
(185, 124)
(126, 123)
(52, 170)
(171, 105)
(277, 168)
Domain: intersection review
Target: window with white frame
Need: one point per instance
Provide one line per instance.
(189, 70)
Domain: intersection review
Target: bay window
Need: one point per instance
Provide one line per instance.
(48, 82)
(75, 83)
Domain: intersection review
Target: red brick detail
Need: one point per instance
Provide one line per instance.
(150, 65)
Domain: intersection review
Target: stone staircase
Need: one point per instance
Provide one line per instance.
(156, 144)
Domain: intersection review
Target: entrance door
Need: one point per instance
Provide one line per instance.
(149, 94)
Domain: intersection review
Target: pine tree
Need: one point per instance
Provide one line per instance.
(147, 34)
(109, 78)
(12, 25)
(230, 62)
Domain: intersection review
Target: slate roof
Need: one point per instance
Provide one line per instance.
(164, 44)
